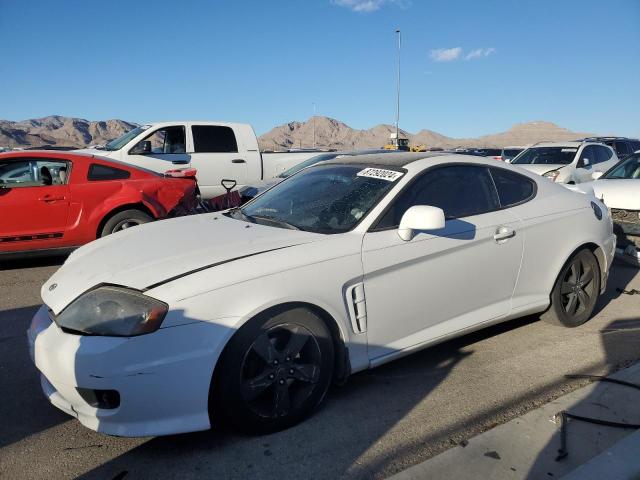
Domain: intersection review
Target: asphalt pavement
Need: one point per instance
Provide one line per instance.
(380, 423)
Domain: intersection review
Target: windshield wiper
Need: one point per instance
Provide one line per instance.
(290, 226)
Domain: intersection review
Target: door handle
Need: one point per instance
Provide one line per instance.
(504, 233)
(238, 160)
(51, 198)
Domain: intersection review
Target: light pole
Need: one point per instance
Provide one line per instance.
(314, 124)
(398, 34)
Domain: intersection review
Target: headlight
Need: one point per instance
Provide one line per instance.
(552, 175)
(113, 311)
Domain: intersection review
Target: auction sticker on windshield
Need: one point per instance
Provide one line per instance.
(380, 173)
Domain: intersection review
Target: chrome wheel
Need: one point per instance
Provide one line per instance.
(124, 224)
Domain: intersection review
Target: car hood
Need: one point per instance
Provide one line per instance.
(622, 194)
(540, 169)
(156, 253)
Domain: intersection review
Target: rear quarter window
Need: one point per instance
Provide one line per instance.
(513, 188)
(99, 172)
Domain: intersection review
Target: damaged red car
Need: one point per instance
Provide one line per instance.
(56, 201)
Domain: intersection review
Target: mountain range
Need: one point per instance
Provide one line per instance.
(57, 130)
(332, 133)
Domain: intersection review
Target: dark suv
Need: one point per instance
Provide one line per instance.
(623, 146)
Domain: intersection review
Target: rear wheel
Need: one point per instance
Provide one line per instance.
(575, 292)
(274, 372)
(123, 220)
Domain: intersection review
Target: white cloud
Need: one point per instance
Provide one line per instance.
(366, 6)
(456, 53)
(445, 54)
(479, 53)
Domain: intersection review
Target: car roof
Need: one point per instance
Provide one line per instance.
(49, 154)
(385, 159)
(73, 156)
(559, 144)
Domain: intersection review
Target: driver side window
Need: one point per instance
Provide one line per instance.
(33, 172)
(460, 191)
(589, 154)
(167, 140)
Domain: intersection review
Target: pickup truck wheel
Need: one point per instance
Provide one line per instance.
(575, 292)
(274, 372)
(123, 220)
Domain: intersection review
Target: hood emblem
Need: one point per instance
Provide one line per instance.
(52, 287)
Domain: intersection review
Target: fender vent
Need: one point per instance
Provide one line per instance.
(357, 307)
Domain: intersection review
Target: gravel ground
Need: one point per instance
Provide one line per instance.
(381, 422)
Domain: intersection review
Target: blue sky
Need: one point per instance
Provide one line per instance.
(468, 67)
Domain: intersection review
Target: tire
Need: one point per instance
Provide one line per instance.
(123, 220)
(273, 372)
(575, 292)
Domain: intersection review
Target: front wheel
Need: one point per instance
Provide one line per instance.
(274, 372)
(575, 292)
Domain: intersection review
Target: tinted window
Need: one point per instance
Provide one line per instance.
(621, 148)
(509, 153)
(33, 172)
(588, 153)
(546, 156)
(103, 172)
(324, 198)
(512, 187)
(460, 191)
(635, 145)
(603, 154)
(214, 139)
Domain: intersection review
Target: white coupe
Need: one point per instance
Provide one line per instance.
(249, 315)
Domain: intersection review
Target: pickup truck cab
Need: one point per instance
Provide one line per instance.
(218, 150)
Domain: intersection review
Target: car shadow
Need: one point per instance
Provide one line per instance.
(350, 422)
(586, 440)
(24, 411)
(32, 261)
(621, 275)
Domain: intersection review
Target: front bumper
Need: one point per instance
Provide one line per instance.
(163, 378)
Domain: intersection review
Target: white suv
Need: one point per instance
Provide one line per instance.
(567, 162)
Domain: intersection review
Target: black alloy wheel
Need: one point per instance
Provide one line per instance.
(280, 369)
(576, 291)
(274, 371)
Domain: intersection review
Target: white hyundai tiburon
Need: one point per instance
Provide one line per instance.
(248, 316)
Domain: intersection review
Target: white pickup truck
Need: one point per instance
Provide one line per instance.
(218, 150)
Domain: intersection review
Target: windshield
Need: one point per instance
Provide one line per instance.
(307, 163)
(122, 140)
(546, 156)
(323, 199)
(628, 169)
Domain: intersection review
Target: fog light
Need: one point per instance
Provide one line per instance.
(107, 399)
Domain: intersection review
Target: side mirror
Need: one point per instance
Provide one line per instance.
(420, 217)
(583, 162)
(142, 147)
(596, 175)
